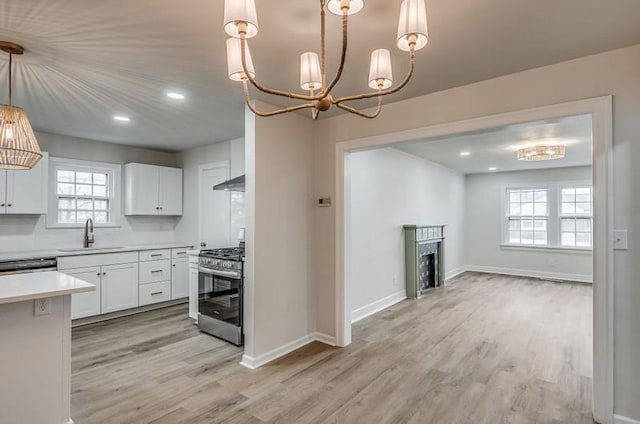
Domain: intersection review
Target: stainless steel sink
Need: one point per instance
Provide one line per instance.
(90, 249)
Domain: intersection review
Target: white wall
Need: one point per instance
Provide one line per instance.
(390, 188)
(279, 235)
(28, 232)
(189, 161)
(611, 73)
(484, 220)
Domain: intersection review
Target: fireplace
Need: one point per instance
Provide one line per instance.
(424, 258)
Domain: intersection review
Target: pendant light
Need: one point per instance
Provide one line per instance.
(19, 148)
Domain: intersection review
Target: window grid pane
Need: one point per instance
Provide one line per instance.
(576, 232)
(82, 195)
(527, 216)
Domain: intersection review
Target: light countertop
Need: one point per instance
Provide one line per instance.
(38, 285)
(32, 254)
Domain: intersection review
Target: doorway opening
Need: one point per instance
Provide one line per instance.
(559, 222)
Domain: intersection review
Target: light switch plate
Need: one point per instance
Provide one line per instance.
(620, 240)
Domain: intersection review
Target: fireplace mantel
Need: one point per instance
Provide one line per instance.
(424, 258)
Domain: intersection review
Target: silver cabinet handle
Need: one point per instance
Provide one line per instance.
(181, 253)
(2, 205)
(156, 293)
(9, 204)
(155, 255)
(174, 265)
(156, 271)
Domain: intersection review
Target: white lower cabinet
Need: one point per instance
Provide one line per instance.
(179, 278)
(155, 293)
(86, 304)
(119, 287)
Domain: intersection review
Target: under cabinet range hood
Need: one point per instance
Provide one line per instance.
(234, 184)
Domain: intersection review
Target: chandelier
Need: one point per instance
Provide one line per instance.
(241, 23)
(18, 145)
(536, 153)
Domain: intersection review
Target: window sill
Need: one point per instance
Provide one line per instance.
(556, 249)
(82, 226)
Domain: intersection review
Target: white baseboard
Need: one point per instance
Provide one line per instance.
(527, 273)
(454, 273)
(253, 363)
(378, 306)
(324, 338)
(620, 419)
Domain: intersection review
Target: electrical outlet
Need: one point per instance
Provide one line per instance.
(42, 306)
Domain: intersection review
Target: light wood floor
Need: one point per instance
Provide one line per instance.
(485, 349)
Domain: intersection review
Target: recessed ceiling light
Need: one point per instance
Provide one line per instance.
(121, 118)
(492, 168)
(465, 153)
(175, 96)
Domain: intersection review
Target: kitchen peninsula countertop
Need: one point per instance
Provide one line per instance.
(37, 285)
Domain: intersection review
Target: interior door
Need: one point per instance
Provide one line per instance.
(214, 207)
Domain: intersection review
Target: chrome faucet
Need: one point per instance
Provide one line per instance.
(88, 233)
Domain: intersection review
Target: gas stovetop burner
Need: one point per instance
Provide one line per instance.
(227, 253)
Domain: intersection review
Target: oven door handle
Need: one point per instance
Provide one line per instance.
(230, 274)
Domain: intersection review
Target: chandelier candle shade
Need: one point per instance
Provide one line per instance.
(19, 148)
(537, 153)
(241, 23)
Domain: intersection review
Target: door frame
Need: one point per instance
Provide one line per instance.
(201, 168)
(601, 111)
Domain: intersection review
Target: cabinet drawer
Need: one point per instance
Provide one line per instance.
(180, 253)
(155, 292)
(154, 255)
(155, 271)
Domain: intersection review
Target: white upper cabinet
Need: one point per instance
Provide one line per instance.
(25, 192)
(170, 191)
(152, 190)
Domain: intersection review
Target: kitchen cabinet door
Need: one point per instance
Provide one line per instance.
(119, 287)
(179, 278)
(193, 291)
(3, 191)
(170, 191)
(141, 189)
(86, 304)
(26, 191)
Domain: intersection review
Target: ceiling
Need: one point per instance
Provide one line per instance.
(89, 60)
(496, 148)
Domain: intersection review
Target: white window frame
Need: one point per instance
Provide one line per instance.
(554, 193)
(114, 171)
(533, 217)
(574, 216)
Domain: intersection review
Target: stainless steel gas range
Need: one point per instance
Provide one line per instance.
(220, 293)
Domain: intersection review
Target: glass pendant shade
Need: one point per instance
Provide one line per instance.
(413, 22)
(310, 75)
(380, 71)
(240, 12)
(18, 145)
(335, 7)
(234, 60)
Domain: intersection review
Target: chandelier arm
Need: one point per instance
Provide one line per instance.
(404, 82)
(323, 47)
(256, 84)
(343, 56)
(360, 113)
(275, 112)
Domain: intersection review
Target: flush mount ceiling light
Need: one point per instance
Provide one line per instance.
(465, 153)
(121, 118)
(492, 168)
(19, 148)
(536, 153)
(175, 96)
(241, 23)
